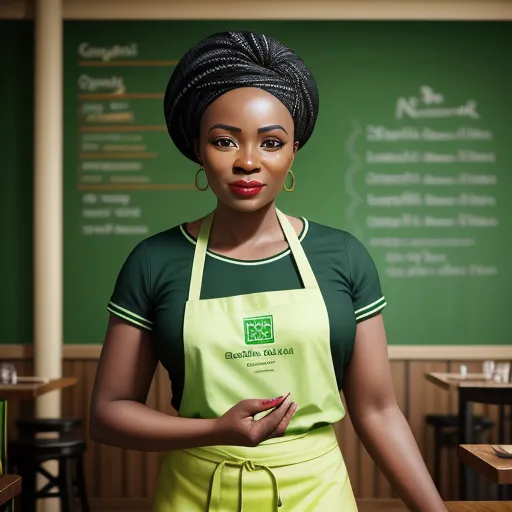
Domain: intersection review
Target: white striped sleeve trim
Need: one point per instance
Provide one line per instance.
(128, 315)
(371, 309)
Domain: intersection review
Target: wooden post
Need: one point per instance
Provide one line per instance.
(48, 206)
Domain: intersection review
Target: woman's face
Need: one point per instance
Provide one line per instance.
(246, 147)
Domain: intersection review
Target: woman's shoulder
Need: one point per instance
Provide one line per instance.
(167, 242)
(326, 233)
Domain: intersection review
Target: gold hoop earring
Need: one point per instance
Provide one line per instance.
(290, 172)
(197, 184)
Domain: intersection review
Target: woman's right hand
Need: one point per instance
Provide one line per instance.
(238, 426)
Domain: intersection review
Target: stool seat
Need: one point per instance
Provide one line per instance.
(67, 446)
(452, 421)
(33, 426)
(28, 455)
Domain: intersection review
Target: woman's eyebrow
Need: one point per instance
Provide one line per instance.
(231, 128)
(271, 127)
(225, 127)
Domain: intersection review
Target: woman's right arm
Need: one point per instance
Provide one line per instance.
(120, 417)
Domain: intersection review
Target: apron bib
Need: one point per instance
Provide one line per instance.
(259, 345)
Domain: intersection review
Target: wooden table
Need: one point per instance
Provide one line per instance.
(10, 487)
(473, 388)
(482, 458)
(385, 505)
(29, 388)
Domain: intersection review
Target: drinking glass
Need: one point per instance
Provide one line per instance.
(502, 372)
(8, 374)
(488, 369)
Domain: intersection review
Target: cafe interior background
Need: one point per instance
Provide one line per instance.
(413, 134)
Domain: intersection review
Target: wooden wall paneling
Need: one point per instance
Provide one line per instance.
(126, 479)
(110, 465)
(121, 505)
(473, 367)
(19, 409)
(367, 483)
(426, 398)
(75, 403)
(136, 482)
(348, 441)
(76, 400)
(133, 474)
(152, 459)
(485, 489)
(383, 488)
(135, 464)
(92, 459)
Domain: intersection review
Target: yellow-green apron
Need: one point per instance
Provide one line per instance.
(259, 345)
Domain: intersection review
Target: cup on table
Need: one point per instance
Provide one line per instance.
(8, 374)
(502, 372)
(488, 369)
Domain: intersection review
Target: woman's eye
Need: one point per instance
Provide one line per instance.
(272, 144)
(224, 143)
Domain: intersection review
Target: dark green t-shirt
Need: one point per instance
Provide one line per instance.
(152, 288)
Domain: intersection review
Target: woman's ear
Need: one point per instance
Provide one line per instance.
(295, 148)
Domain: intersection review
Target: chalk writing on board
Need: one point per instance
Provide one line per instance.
(107, 53)
(430, 104)
(427, 184)
(113, 83)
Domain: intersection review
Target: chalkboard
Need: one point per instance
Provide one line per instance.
(16, 143)
(411, 154)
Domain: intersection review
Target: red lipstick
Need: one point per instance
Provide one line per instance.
(242, 188)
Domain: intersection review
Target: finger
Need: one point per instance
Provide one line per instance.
(283, 425)
(254, 406)
(268, 424)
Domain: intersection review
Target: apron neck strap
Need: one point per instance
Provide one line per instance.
(305, 271)
(196, 279)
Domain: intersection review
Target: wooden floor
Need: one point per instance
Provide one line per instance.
(125, 479)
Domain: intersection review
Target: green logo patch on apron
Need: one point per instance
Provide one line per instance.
(259, 330)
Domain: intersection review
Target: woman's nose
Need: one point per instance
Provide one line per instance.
(247, 160)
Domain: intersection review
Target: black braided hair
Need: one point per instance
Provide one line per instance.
(229, 60)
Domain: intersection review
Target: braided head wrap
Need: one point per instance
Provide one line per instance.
(229, 60)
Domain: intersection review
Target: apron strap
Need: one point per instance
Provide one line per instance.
(196, 279)
(305, 270)
(216, 485)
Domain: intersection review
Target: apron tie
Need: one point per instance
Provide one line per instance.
(247, 465)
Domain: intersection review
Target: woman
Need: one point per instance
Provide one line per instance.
(247, 304)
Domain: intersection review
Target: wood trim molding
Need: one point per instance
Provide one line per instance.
(280, 9)
(68, 352)
(449, 352)
(395, 352)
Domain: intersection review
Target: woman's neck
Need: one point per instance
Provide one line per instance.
(232, 228)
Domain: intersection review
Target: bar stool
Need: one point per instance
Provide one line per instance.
(446, 434)
(28, 453)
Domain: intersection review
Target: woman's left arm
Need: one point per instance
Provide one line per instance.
(379, 423)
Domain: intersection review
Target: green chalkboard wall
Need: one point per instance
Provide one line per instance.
(16, 143)
(411, 154)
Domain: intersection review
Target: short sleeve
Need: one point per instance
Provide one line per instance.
(367, 295)
(131, 298)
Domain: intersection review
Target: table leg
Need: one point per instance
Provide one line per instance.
(466, 489)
